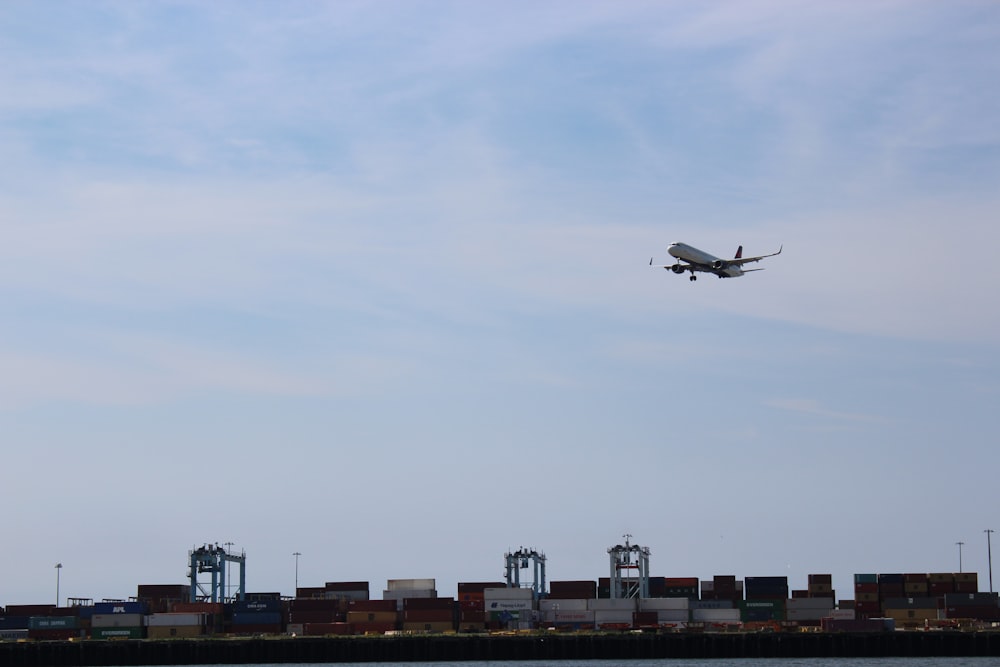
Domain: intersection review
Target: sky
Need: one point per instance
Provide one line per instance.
(371, 282)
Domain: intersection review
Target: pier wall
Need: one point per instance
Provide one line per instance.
(439, 648)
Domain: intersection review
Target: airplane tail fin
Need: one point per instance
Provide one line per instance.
(739, 253)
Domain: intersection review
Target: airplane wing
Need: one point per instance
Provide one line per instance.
(685, 266)
(746, 260)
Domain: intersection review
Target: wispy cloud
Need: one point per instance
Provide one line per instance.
(815, 408)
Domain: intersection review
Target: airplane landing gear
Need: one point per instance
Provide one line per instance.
(693, 277)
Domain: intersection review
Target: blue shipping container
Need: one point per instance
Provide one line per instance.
(119, 608)
(14, 622)
(257, 607)
(265, 618)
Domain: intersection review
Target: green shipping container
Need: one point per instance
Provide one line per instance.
(866, 578)
(118, 633)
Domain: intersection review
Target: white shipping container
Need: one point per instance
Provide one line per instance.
(176, 620)
(716, 615)
(508, 605)
(573, 616)
(409, 593)
(408, 584)
(843, 614)
(296, 629)
(672, 615)
(609, 604)
(562, 605)
(117, 621)
(508, 594)
(612, 616)
(656, 604)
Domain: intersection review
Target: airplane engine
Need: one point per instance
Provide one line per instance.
(677, 268)
(718, 264)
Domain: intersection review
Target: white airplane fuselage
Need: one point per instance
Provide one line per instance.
(694, 256)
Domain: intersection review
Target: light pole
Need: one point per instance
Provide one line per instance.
(229, 570)
(959, 556)
(296, 554)
(989, 556)
(58, 571)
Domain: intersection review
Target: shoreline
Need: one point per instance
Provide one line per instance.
(445, 648)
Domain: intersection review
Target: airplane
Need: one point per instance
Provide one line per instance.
(699, 260)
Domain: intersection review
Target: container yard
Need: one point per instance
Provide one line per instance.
(627, 603)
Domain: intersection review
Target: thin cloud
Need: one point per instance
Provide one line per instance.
(815, 408)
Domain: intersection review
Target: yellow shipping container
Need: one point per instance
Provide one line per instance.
(372, 616)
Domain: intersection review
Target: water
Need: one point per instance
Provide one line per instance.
(720, 662)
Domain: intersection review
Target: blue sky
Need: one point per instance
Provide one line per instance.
(370, 282)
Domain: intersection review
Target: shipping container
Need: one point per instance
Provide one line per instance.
(172, 632)
(613, 604)
(175, 620)
(347, 586)
(54, 634)
(259, 606)
(258, 618)
(410, 584)
(372, 605)
(429, 616)
(428, 603)
(127, 608)
(549, 604)
(374, 628)
(711, 604)
(53, 623)
(656, 604)
(508, 605)
(572, 590)
(478, 587)
(117, 620)
(729, 616)
(508, 594)
(675, 615)
(319, 629)
(302, 617)
(762, 610)
(118, 633)
(260, 629)
(27, 610)
(971, 599)
(429, 627)
(857, 625)
(866, 579)
(15, 622)
(310, 593)
(379, 617)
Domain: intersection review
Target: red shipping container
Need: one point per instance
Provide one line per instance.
(308, 604)
(317, 616)
(346, 586)
(372, 605)
(428, 616)
(428, 603)
(314, 629)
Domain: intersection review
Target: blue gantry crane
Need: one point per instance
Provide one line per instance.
(213, 559)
